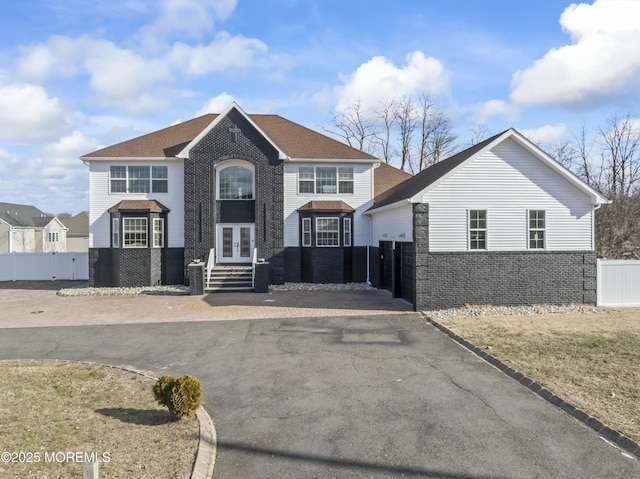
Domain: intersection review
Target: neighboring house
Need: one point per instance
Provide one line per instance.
(26, 229)
(499, 223)
(78, 232)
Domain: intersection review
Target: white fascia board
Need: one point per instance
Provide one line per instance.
(187, 149)
(392, 206)
(131, 158)
(55, 218)
(333, 160)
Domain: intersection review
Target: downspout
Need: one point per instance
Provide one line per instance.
(593, 226)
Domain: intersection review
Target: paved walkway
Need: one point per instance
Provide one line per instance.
(30, 304)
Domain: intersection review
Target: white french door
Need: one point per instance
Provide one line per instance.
(235, 243)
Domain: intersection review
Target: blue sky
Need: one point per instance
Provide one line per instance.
(78, 75)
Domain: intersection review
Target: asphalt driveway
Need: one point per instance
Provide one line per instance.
(371, 396)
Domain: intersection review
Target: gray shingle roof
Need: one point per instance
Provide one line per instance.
(23, 216)
(295, 140)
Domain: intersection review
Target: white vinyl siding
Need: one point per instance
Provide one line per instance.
(360, 200)
(100, 200)
(395, 224)
(507, 182)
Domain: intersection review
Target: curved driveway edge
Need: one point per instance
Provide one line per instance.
(611, 435)
(206, 454)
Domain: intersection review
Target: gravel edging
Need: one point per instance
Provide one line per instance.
(166, 290)
(526, 310)
(204, 462)
(611, 435)
(321, 287)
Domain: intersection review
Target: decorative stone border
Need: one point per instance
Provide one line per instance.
(620, 440)
(207, 441)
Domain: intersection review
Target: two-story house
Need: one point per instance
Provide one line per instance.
(500, 222)
(244, 186)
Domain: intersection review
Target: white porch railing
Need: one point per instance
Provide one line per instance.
(211, 262)
(253, 267)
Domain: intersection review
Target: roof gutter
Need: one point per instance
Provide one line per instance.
(392, 206)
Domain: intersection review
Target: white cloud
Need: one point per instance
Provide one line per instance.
(483, 112)
(379, 79)
(216, 104)
(547, 134)
(184, 18)
(27, 112)
(602, 62)
(223, 53)
(67, 150)
(128, 79)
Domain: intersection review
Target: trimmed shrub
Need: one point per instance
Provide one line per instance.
(186, 396)
(181, 396)
(162, 390)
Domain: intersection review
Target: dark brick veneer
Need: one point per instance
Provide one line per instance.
(202, 211)
(130, 267)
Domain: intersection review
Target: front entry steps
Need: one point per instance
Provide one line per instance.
(229, 278)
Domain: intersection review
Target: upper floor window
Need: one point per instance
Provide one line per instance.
(325, 180)
(477, 229)
(138, 179)
(235, 183)
(536, 229)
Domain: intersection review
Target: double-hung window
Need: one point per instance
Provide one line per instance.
(325, 180)
(327, 232)
(115, 231)
(158, 232)
(536, 229)
(346, 232)
(134, 232)
(52, 237)
(138, 179)
(306, 231)
(478, 229)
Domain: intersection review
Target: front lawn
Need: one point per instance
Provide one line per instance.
(589, 360)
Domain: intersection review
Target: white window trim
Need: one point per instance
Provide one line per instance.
(337, 192)
(317, 232)
(115, 234)
(313, 181)
(345, 222)
(485, 229)
(306, 222)
(156, 221)
(52, 237)
(146, 224)
(126, 181)
(244, 164)
(529, 230)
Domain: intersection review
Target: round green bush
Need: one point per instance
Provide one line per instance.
(186, 396)
(162, 389)
(181, 396)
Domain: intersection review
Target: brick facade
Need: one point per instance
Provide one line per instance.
(203, 211)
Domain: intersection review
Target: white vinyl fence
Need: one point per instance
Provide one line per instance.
(618, 282)
(43, 266)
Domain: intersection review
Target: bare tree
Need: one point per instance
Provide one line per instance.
(405, 118)
(477, 133)
(621, 155)
(384, 135)
(353, 126)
